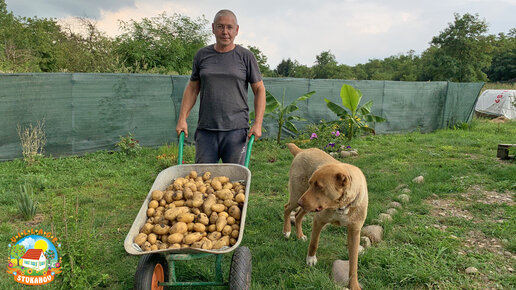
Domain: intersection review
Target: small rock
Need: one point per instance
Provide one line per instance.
(374, 233)
(345, 153)
(419, 179)
(383, 217)
(334, 154)
(406, 190)
(400, 186)
(395, 204)
(340, 272)
(510, 269)
(471, 270)
(354, 152)
(392, 211)
(360, 249)
(365, 242)
(404, 198)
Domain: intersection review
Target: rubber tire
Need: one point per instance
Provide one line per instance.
(143, 278)
(241, 268)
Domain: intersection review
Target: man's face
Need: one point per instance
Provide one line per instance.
(225, 30)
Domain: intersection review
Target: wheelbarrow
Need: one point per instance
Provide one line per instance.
(156, 269)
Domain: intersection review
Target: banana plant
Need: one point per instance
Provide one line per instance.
(359, 117)
(281, 112)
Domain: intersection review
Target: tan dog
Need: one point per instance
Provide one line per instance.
(336, 191)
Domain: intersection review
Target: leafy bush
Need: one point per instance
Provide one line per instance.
(25, 202)
(281, 113)
(128, 144)
(351, 124)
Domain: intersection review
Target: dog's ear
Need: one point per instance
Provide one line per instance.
(342, 180)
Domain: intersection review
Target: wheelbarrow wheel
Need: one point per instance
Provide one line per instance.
(241, 268)
(151, 270)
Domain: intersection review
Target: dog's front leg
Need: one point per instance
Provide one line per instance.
(353, 245)
(317, 227)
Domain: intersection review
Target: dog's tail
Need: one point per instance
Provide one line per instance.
(294, 149)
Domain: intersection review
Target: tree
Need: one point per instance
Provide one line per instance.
(285, 68)
(17, 251)
(50, 255)
(325, 66)
(261, 59)
(503, 65)
(164, 43)
(460, 52)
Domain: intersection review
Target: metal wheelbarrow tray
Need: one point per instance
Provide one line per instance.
(235, 173)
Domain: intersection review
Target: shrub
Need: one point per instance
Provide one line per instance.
(128, 145)
(33, 140)
(25, 202)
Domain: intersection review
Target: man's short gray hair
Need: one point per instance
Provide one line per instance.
(225, 12)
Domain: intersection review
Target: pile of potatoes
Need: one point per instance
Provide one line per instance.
(194, 211)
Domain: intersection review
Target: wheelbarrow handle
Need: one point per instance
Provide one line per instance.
(182, 141)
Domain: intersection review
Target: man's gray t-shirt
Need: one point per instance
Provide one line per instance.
(224, 82)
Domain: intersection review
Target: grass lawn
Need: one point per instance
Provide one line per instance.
(463, 215)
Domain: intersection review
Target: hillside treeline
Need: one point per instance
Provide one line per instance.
(165, 44)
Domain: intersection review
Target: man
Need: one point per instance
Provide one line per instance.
(221, 74)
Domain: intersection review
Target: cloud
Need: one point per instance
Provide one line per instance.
(28, 243)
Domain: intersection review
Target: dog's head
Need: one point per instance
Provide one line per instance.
(329, 188)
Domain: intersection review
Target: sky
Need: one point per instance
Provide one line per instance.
(355, 31)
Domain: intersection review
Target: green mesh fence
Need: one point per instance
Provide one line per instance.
(88, 112)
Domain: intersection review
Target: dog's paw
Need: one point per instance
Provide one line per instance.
(303, 238)
(311, 260)
(287, 235)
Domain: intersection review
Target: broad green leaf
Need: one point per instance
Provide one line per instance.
(291, 108)
(341, 112)
(290, 126)
(305, 96)
(350, 97)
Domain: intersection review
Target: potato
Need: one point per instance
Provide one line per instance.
(151, 211)
(226, 231)
(216, 184)
(198, 227)
(140, 239)
(227, 186)
(171, 214)
(193, 174)
(229, 203)
(188, 193)
(212, 228)
(177, 195)
(210, 200)
(224, 214)
(203, 219)
(221, 223)
(175, 246)
(234, 234)
(185, 217)
(190, 226)
(154, 247)
(207, 245)
(223, 179)
(146, 246)
(160, 229)
(147, 228)
(218, 207)
(179, 203)
(189, 203)
(231, 220)
(235, 212)
(206, 175)
(214, 236)
(202, 188)
(179, 227)
(195, 211)
(162, 202)
(224, 194)
(162, 246)
(235, 227)
(192, 238)
(232, 241)
(240, 198)
(197, 245)
(157, 194)
(213, 217)
(168, 196)
(153, 204)
(175, 238)
(152, 238)
(198, 199)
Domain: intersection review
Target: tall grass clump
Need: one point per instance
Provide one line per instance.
(25, 202)
(33, 140)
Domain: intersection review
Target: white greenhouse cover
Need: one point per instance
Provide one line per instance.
(498, 103)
